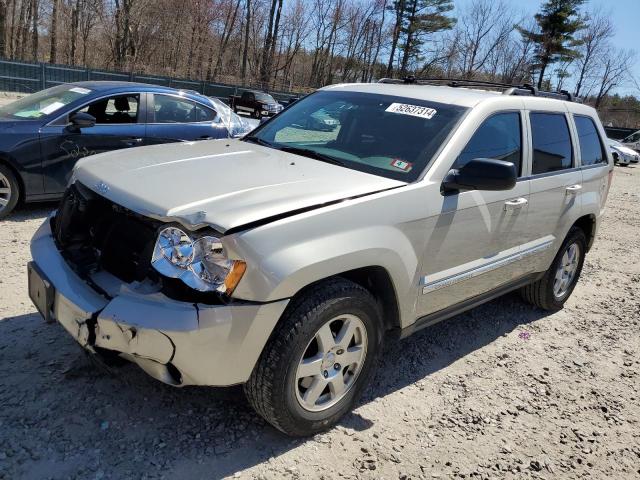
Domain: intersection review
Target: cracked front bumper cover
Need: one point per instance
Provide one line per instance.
(176, 342)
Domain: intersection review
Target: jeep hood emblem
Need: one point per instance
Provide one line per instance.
(102, 187)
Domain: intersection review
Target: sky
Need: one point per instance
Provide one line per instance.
(626, 17)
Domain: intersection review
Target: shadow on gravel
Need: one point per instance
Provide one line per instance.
(30, 211)
(61, 416)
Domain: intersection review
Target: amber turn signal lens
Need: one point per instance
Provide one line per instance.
(233, 277)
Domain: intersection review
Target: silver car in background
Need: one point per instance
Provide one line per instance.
(283, 260)
(622, 155)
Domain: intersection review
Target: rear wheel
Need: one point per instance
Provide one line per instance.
(9, 191)
(319, 358)
(557, 284)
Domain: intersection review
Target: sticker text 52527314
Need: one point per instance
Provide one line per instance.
(413, 110)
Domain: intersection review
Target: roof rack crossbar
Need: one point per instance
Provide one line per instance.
(507, 88)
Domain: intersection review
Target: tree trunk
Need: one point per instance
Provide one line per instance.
(410, 32)
(246, 43)
(53, 33)
(541, 77)
(34, 33)
(397, 28)
(3, 28)
(21, 30)
(274, 40)
(13, 32)
(75, 16)
(268, 41)
(229, 23)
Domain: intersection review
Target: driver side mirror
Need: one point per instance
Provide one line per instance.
(82, 120)
(481, 174)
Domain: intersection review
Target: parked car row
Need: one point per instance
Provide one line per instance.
(622, 154)
(283, 260)
(43, 135)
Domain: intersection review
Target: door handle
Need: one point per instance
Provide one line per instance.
(573, 189)
(132, 142)
(515, 204)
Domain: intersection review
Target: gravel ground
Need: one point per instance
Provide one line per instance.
(503, 391)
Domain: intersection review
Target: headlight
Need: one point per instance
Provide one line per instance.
(202, 263)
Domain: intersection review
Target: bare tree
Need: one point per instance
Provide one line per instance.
(53, 32)
(594, 39)
(271, 38)
(614, 70)
(3, 27)
(484, 28)
(245, 48)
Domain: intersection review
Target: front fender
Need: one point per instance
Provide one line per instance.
(285, 256)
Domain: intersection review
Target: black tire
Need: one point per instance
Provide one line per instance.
(271, 389)
(540, 293)
(256, 114)
(14, 187)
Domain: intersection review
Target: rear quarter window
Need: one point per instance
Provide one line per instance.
(591, 147)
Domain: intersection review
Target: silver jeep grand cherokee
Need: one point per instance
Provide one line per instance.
(283, 260)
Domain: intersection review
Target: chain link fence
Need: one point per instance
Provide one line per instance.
(27, 77)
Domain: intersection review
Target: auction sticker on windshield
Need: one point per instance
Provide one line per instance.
(413, 110)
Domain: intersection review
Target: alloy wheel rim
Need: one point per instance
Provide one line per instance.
(566, 271)
(5, 191)
(331, 363)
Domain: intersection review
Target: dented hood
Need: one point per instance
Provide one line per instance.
(222, 183)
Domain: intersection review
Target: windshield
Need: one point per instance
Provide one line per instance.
(42, 103)
(393, 137)
(264, 98)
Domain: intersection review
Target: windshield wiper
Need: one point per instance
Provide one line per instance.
(307, 152)
(258, 140)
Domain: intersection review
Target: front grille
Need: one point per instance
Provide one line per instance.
(95, 234)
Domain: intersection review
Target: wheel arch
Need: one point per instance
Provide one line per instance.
(588, 224)
(8, 162)
(376, 280)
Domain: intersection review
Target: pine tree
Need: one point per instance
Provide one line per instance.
(414, 20)
(558, 21)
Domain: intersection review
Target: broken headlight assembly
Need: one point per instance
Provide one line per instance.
(200, 262)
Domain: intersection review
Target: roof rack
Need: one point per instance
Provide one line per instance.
(506, 88)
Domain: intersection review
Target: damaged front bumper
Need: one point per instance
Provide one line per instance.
(178, 343)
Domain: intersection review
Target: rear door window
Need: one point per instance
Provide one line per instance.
(168, 109)
(499, 137)
(551, 140)
(591, 149)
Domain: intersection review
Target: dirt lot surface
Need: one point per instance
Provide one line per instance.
(503, 391)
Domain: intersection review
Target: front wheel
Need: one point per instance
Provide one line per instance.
(9, 191)
(558, 282)
(319, 358)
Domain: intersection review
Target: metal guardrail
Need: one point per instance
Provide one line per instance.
(29, 77)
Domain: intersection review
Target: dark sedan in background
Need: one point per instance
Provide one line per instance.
(43, 135)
